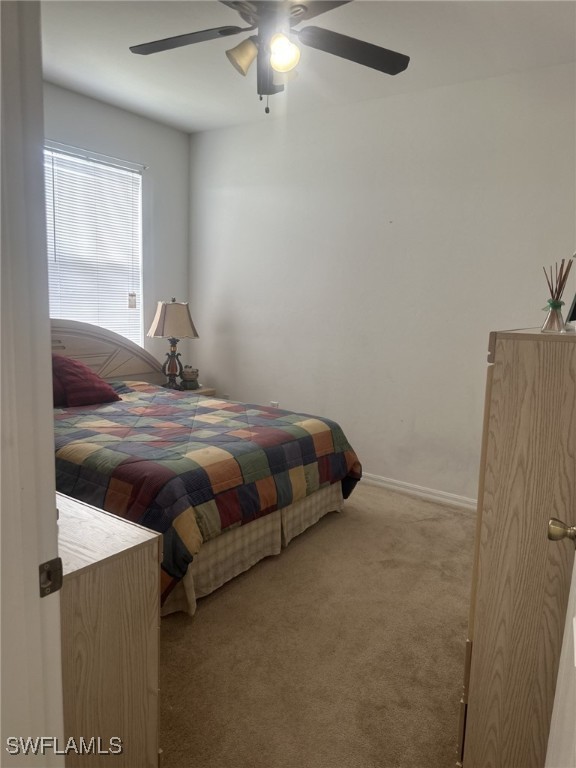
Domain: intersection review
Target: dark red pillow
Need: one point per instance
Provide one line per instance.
(58, 392)
(77, 384)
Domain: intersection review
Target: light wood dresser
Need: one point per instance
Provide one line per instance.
(110, 617)
(521, 580)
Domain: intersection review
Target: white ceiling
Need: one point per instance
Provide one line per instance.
(85, 48)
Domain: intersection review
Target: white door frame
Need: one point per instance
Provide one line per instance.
(31, 685)
(562, 739)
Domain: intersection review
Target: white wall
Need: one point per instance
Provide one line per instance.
(89, 124)
(352, 262)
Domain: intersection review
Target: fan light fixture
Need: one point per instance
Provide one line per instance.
(284, 55)
(243, 54)
(276, 21)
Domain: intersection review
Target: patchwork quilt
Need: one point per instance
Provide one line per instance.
(191, 467)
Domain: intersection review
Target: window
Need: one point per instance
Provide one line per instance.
(94, 225)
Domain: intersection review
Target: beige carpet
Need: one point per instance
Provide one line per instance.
(346, 651)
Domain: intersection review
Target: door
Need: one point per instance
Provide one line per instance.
(521, 579)
(31, 675)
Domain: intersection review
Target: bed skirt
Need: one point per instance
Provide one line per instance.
(237, 550)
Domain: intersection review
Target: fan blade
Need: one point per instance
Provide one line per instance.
(239, 5)
(316, 7)
(191, 37)
(352, 49)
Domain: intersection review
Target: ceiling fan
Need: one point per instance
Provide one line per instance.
(274, 23)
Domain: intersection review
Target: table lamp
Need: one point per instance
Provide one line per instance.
(173, 322)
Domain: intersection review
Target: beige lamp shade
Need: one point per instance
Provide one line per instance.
(242, 56)
(173, 321)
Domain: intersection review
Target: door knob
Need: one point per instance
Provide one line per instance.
(558, 530)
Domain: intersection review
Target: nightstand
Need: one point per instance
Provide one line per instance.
(205, 391)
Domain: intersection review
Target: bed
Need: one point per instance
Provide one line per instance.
(226, 483)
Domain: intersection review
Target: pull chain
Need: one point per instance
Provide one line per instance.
(266, 108)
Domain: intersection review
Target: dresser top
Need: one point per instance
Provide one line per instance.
(531, 333)
(528, 334)
(87, 535)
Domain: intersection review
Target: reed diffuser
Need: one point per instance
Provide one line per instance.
(554, 322)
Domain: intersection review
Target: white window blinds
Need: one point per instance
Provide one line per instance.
(94, 225)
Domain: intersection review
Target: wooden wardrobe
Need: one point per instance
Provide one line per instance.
(521, 580)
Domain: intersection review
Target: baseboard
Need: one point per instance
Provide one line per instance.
(428, 494)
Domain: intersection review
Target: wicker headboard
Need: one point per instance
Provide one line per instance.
(111, 356)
